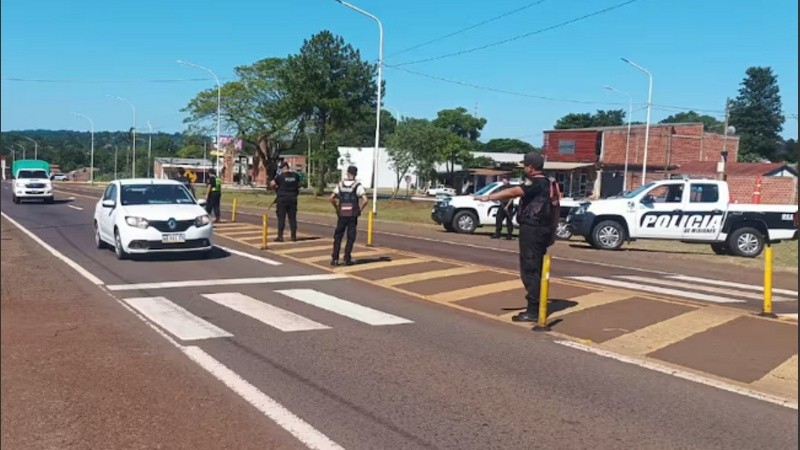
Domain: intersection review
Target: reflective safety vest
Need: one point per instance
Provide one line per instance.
(217, 186)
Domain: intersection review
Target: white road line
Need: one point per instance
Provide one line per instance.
(751, 287)
(792, 316)
(785, 402)
(300, 429)
(264, 312)
(343, 307)
(658, 290)
(178, 321)
(75, 207)
(222, 282)
(699, 287)
(84, 273)
(248, 255)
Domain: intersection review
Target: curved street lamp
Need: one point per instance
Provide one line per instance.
(91, 158)
(219, 100)
(627, 139)
(133, 155)
(35, 147)
(647, 122)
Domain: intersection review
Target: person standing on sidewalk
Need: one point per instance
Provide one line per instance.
(213, 194)
(537, 215)
(287, 188)
(349, 198)
(505, 213)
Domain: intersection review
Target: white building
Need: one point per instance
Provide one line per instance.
(361, 157)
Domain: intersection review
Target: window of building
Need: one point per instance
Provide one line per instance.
(566, 147)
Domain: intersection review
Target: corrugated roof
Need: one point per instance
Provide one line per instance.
(734, 169)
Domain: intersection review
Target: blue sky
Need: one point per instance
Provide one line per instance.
(698, 52)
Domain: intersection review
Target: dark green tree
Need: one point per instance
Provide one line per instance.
(756, 114)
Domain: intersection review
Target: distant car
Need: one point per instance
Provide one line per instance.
(140, 216)
(440, 190)
(59, 177)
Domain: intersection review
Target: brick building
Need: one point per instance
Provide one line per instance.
(769, 183)
(591, 161)
(233, 165)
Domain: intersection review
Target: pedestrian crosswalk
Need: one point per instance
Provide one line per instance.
(695, 288)
(188, 326)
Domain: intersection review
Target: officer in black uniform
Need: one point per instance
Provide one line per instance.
(537, 228)
(287, 188)
(213, 193)
(505, 213)
(349, 198)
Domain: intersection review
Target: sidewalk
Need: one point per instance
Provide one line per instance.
(79, 371)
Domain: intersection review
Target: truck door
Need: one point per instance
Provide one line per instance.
(704, 212)
(659, 212)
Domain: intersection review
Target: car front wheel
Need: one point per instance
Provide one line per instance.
(119, 251)
(564, 231)
(608, 235)
(747, 242)
(465, 222)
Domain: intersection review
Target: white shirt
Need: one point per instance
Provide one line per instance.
(360, 191)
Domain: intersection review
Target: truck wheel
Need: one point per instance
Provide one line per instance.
(747, 242)
(16, 199)
(465, 222)
(448, 227)
(564, 231)
(608, 235)
(49, 200)
(720, 249)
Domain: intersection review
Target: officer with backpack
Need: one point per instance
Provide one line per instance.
(349, 198)
(213, 194)
(538, 214)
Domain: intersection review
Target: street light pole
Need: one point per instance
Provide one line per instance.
(23, 150)
(647, 122)
(35, 147)
(91, 157)
(219, 101)
(133, 154)
(627, 139)
(149, 147)
(378, 105)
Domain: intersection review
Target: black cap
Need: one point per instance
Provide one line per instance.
(352, 170)
(534, 160)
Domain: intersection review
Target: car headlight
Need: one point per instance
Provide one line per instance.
(138, 222)
(202, 221)
(582, 209)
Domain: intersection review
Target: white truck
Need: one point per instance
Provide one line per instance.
(464, 214)
(686, 210)
(31, 181)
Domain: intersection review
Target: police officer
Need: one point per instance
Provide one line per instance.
(287, 188)
(349, 198)
(505, 213)
(213, 193)
(535, 215)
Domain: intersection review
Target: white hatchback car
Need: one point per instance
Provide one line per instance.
(139, 216)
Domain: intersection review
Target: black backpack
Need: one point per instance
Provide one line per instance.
(348, 200)
(545, 210)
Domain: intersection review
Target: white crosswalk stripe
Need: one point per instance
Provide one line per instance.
(343, 307)
(700, 287)
(176, 320)
(264, 312)
(658, 290)
(751, 287)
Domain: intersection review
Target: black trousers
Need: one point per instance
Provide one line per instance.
(213, 204)
(287, 206)
(349, 224)
(533, 243)
(508, 217)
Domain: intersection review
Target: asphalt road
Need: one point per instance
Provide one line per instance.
(421, 375)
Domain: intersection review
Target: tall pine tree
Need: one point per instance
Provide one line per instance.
(756, 114)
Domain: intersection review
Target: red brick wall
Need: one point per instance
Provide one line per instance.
(668, 146)
(585, 145)
(774, 190)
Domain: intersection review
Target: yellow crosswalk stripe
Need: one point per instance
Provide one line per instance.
(476, 291)
(782, 378)
(433, 274)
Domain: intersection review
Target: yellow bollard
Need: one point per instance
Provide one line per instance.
(264, 225)
(233, 210)
(370, 225)
(767, 310)
(544, 294)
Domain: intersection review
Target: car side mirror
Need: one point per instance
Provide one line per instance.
(202, 202)
(109, 203)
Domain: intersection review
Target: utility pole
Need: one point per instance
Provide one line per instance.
(725, 141)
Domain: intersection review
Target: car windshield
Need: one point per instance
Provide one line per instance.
(486, 188)
(155, 194)
(32, 174)
(637, 191)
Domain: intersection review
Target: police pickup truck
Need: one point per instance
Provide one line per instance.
(464, 214)
(686, 210)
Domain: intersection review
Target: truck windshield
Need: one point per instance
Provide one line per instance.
(637, 191)
(32, 174)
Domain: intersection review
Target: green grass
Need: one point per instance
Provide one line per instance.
(392, 210)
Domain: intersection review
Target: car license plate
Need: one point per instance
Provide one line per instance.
(173, 238)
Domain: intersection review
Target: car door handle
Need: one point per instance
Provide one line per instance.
(677, 210)
(717, 211)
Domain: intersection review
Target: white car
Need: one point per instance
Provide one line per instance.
(140, 216)
(440, 190)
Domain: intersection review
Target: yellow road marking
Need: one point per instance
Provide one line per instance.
(476, 291)
(237, 233)
(427, 275)
(381, 265)
(303, 249)
(782, 378)
(593, 299)
(356, 256)
(667, 332)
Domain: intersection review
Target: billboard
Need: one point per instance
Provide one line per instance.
(230, 142)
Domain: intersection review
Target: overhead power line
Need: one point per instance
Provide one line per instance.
(90, 81)
(515, 38)
(471, 27)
